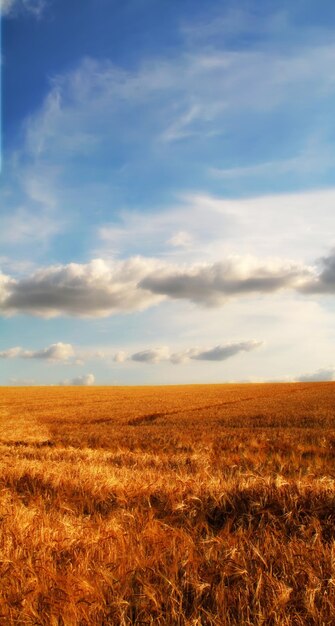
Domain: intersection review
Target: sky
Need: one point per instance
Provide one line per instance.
(167, 191)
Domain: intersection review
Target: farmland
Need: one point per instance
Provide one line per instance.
(185, 505)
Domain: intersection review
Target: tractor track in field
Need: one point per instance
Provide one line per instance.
(152, 417)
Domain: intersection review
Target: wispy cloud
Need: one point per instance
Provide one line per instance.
(89, 117)
(293, 165)
(233, 21)
(11, 8)
(183, 127)
(200, 226)
(21, 226)
(198, 94)
(87, 380)
(32, 216)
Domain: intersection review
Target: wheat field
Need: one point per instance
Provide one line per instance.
(181, 505)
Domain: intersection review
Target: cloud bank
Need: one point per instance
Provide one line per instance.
(100, 289)
(65, 352)
(321, 375)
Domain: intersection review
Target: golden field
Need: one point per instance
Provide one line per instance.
(185, 505)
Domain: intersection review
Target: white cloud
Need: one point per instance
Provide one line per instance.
(181, 239)
(21, 226)
(221, 353)
(22, 382)
(183, 356)
(323, 374)
(153, 355)
(120, 356)
(11, 353)
(56, 352)
(86, 380)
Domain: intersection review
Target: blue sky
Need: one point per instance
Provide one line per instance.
(167, 191)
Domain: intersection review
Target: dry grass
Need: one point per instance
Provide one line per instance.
(196, 505)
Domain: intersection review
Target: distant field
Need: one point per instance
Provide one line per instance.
(191, 505)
